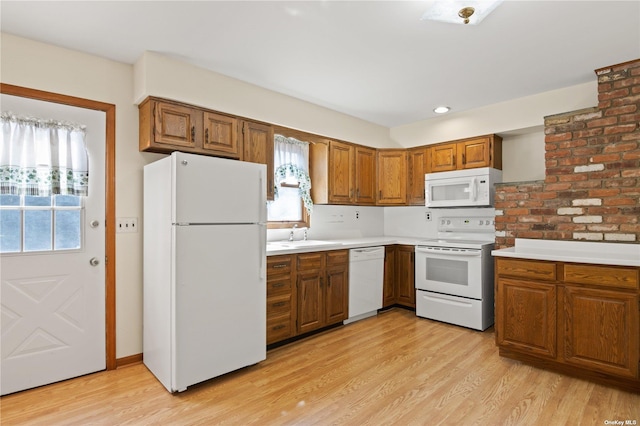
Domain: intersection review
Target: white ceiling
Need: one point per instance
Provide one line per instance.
(375, 60)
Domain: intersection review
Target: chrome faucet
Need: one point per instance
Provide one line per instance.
(291, 233)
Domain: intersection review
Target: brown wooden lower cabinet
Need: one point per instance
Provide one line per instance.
(389, 292)
(581, 319)
(306, 292)
(322, 286)
(399, 276)
(280, 298)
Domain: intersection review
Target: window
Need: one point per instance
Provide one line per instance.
(37, 224)
(43, 177)
(292, 203)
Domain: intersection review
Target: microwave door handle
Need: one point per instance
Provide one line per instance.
(474, 188)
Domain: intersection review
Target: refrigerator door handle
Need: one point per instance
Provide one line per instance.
(263, 197)
(263, 252)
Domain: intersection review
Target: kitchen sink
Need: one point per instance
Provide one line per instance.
(303, 244)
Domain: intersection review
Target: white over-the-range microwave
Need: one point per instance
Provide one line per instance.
(461, 188)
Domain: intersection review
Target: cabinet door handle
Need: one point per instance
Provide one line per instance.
(206, 135)
(279, 327)
(193, 133)
(454, 159)
(464, 160)
(280, 265)
(380, 195)
(277, 285)
(278, 304)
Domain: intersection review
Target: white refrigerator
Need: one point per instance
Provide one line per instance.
(204, 267)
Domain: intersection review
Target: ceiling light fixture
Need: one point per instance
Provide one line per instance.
(460, 11)
(441, 109)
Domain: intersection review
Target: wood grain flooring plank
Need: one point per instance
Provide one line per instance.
(392, 369)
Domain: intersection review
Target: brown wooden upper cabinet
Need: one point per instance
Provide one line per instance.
(342, 173)
(221, 135)
(365, 176)
(392, 177)
(257, 140)
(167, 126)
(482, 151)
(418, 165)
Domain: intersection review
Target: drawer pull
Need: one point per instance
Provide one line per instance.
(276, 285)
(278, 304)
(279, 266)
(279, 327)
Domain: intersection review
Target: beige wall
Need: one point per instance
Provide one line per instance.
(523, 156)
(517, 114)
(46, 67)
(519, 122)
(158, 75)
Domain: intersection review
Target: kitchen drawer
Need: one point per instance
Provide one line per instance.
(530, 269)
(278, 285)
(279, 328)
(605, 276)
(338, 257)
(279, 305)
(279, 264)
(310, 261)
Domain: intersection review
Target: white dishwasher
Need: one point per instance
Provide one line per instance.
(366, 276)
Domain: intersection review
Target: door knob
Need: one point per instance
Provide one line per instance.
(94, 223)
(94, 261)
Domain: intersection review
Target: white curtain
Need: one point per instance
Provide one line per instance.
(291, 163)
(42, 157)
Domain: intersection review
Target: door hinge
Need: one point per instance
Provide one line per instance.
(106, 261)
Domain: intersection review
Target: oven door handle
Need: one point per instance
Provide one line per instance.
(448, 301)
(446, 252)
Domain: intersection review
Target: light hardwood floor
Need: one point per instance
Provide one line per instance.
(395, 369)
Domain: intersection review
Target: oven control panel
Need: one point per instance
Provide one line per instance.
(467, 224)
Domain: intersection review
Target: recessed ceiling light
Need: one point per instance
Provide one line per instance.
(460, 11)
(441, 109)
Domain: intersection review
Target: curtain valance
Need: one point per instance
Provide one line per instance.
(291, 161)
(42, 157)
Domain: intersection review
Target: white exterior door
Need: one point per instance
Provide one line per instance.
(52, 269)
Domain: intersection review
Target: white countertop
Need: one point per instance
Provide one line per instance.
(574, 251)
(273, 250)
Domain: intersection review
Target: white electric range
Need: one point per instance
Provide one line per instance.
(454, 272)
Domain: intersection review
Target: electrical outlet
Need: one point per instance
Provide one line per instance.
(127, 224)
(357, 214)
(427, 216)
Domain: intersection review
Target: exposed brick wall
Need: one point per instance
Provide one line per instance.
(592, 186)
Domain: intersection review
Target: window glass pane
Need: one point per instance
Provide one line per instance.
(67, 232)
(288, 206)
(30, 200)
(9, 200)
(10, 228)
(67, 200)
(37, 230)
